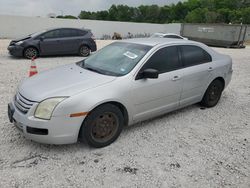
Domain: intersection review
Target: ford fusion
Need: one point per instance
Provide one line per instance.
(123, 83)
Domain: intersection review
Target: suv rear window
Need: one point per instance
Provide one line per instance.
(194, 55)
(81, 32)
(172, 36)
(72, 33)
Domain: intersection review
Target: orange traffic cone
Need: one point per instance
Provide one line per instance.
(33, 69)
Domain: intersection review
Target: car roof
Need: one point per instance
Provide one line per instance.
(159, 41)
(51, 29)
(164, 34)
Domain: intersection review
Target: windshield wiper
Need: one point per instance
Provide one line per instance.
(83, 65)
(94, 70)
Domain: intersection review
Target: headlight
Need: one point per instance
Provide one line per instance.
(45, 109)
(19, 43)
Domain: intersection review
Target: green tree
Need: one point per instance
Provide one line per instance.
(197, 16)
(246, 15)
(198, 11)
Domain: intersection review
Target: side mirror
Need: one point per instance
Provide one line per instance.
(42, 38)
(150, 73)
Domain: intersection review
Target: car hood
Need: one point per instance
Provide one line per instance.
(20, 39)
(66, 80)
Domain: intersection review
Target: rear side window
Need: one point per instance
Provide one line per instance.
(68, 33)
(81, 32)
(194, 55)
(164, 60)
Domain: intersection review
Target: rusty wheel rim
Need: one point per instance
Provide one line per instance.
(214, 93)
(105, 127)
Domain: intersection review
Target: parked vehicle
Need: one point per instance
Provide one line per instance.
(168, 35)
(61, 41)
(123, 83)
(221, 35)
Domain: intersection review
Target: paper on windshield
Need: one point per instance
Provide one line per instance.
(130, 55)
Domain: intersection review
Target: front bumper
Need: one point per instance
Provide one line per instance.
(16, 50)
(58, 130)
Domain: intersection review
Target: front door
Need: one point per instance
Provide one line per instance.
(51, 43)
(152, 97)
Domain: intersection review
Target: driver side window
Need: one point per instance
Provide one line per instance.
(164, 60)
(52, 34)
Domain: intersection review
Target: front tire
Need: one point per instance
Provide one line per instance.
(102, 126)
(213, 94)
(30, 53)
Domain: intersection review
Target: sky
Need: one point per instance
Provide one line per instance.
(66, 7)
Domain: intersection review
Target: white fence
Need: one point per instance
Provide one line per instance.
(18, 26)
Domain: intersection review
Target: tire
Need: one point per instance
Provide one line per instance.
(102, 126)
(30, 53)
(84, 51)
(213, 94)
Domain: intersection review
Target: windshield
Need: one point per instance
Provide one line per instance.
(116, 59)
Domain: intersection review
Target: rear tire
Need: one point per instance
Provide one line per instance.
(30, 53)
(84, 51)
(213, 94)
(102, 126)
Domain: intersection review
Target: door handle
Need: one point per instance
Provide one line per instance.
(175, 78)
(210, 69)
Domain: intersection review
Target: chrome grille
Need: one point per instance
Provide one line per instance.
(22, 103)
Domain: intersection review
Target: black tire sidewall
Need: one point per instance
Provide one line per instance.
(80, 49)
(24, 53)
(205, 101)
(86, 128)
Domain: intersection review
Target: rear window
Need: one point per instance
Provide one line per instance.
(68, 33)
(194, 55)
(172, 36)
(72, 33)
(81, 32)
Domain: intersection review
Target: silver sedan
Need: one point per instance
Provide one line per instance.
(124, 83)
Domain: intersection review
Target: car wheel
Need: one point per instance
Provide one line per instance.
(102, 126)
(30, 53)
(84, 51)
(213, 94)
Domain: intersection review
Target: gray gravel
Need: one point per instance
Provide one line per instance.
(187, 148)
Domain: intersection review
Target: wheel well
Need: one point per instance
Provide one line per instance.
(85, 45)
(30, 47)
(121, 107)
(222, 81)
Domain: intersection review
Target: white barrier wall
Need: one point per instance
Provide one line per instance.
(18, 26)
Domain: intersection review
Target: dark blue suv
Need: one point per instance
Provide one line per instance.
(60, 41)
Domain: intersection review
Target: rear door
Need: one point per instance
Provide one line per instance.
(71, 40)
(157, 96)
(196, 73)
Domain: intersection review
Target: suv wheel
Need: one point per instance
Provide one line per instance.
(30, 53)
(84, 51)
(102, 126)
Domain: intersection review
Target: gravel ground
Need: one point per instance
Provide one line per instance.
(192, 147)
